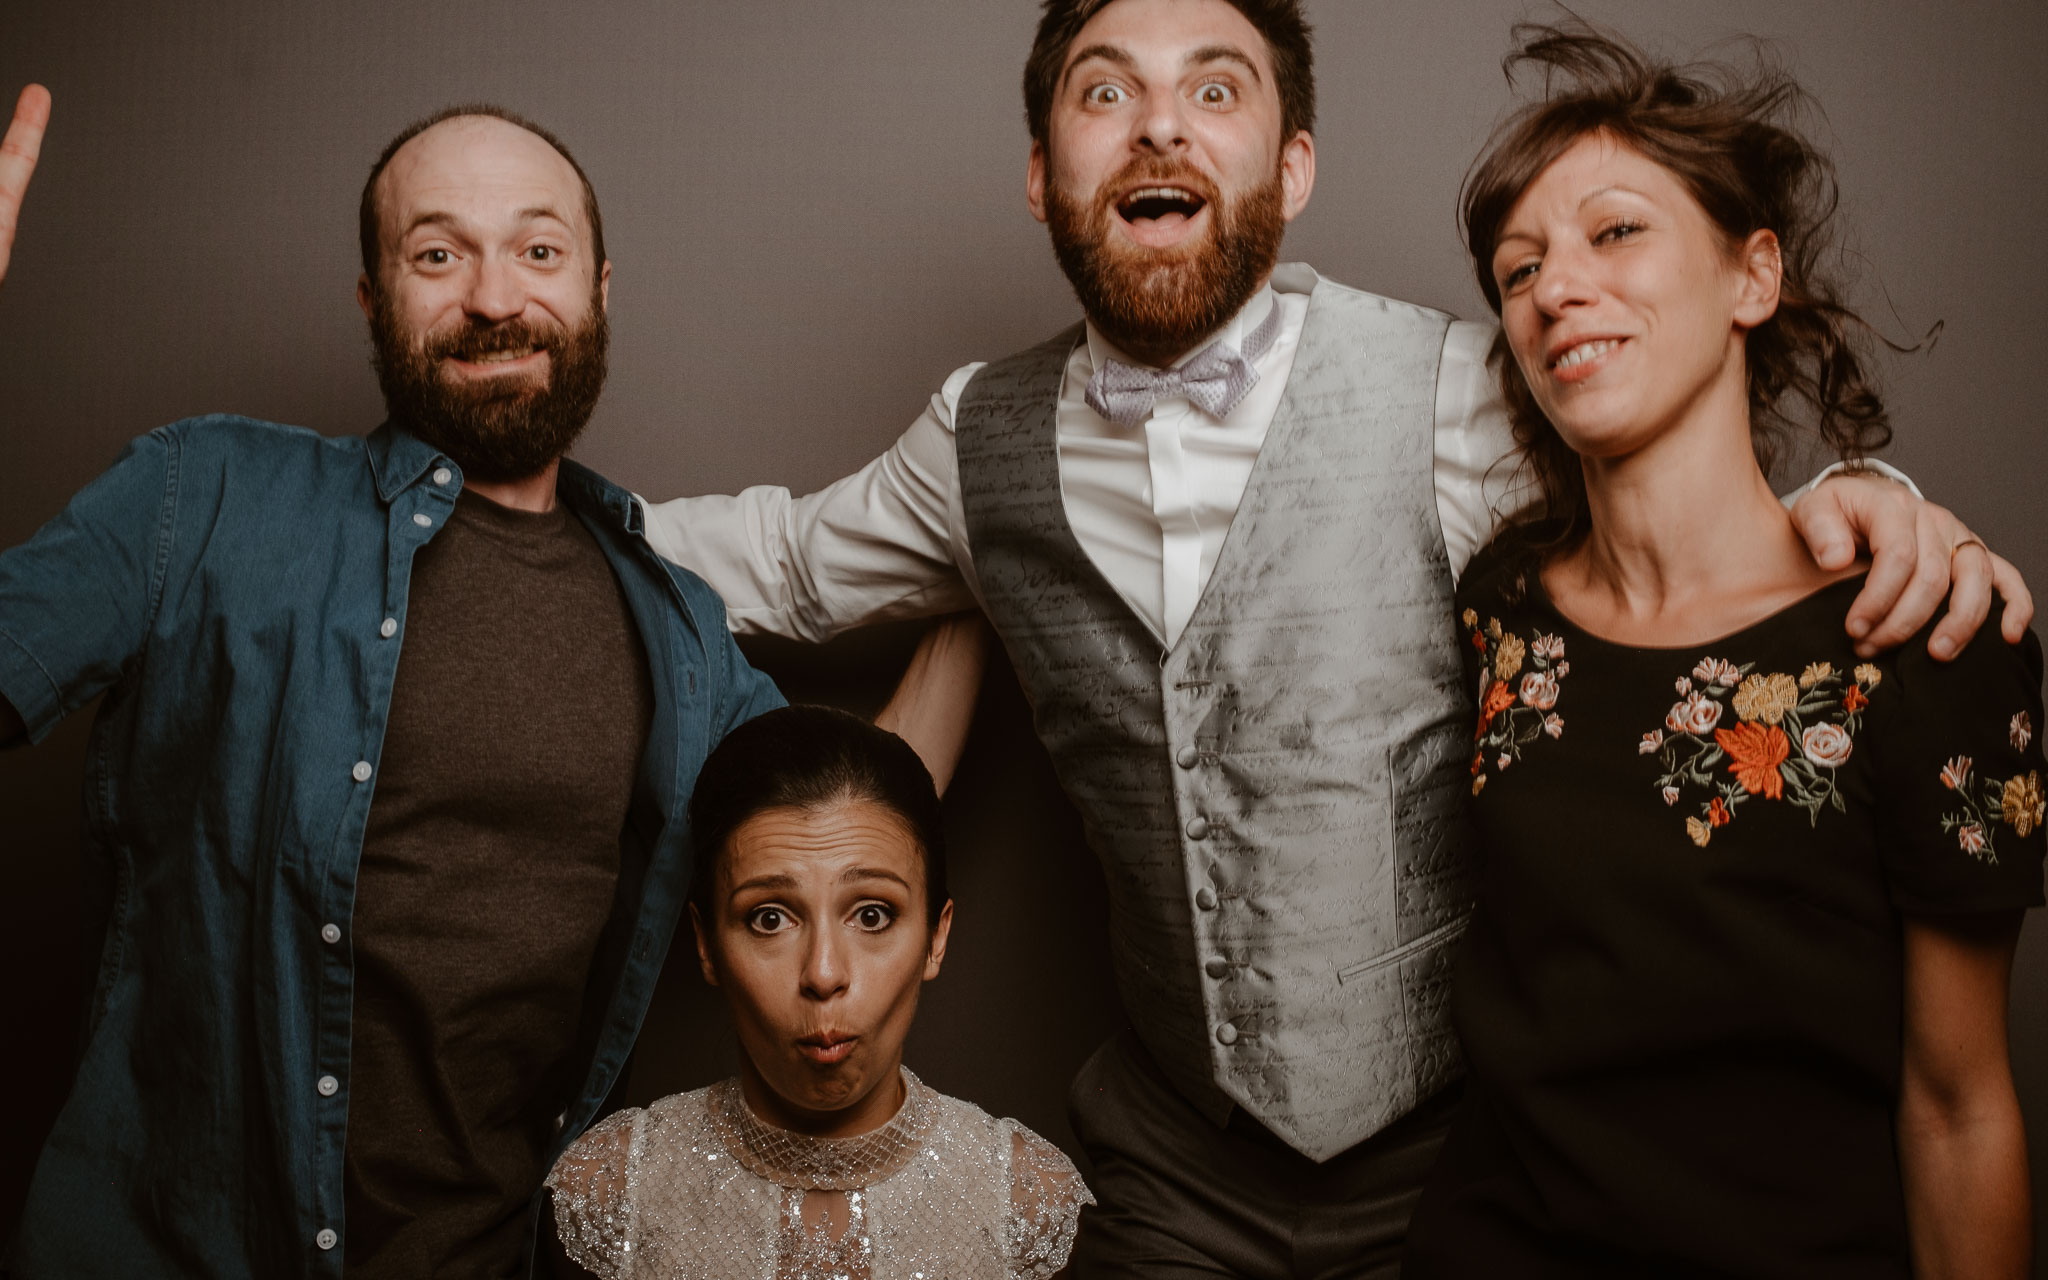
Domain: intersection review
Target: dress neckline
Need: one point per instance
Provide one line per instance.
(1539, 595)
(802, 1162)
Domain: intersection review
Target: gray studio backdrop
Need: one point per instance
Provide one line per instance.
(815, 211)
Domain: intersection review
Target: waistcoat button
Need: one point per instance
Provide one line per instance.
(1217, 968)
(1187, 758)
(1205, 898)
(1198, 827)
(326, 1239)
(1226, 1034)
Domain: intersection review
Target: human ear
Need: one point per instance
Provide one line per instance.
(703, 946)
(940, 932)
(1763, 273)
(364, 298)
(1034, 180)
(604, 287)
(1297, 174)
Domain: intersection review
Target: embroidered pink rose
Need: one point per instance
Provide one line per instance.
(1652, 741)
(1698, 714)
(1671, 795)
(1548, 648)
(1539, 690)
(1504, 761)
(2021, 731)
(1716, 671)
(1827, 745)
(1683, 685)
(1970, 837)
(1553, 725)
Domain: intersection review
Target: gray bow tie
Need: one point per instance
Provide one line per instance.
(1214, 381)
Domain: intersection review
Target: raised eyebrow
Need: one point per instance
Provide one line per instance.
(763, 882)
(536, 212)
(1106, 52)
(852, 874)
(1224, 53)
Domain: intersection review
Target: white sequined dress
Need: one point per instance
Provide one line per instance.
(696, 1188)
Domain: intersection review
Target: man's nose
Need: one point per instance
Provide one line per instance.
(825, 973)
(495, 292)
(1161, 125)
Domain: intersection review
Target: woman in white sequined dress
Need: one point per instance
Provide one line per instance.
(820, 909)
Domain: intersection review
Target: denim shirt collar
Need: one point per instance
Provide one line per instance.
(399, 460)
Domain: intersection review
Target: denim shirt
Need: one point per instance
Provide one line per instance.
(238, 591)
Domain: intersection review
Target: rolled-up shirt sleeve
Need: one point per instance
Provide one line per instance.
(77, 597)
(885, 543)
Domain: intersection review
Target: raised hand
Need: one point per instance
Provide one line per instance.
(18, 152)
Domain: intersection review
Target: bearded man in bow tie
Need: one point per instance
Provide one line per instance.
(1217, 526)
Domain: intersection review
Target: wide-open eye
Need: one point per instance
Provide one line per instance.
(1105, 95)
(1215, 93)
(874, 916)
(543, 253)
(437, 257)
(769, 920)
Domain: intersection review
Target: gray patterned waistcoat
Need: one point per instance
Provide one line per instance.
(1276, 799)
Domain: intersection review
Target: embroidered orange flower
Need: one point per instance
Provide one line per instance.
(1955, 773)
(1755, 751)
(1717, 813)
(1498, 699)
(1699, 831)
(1507, 657)
(1854, 699)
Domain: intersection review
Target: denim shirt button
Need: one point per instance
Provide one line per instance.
(328, 1086)
(327, 1239)
(388, 628)
(443, 475)
(361, 773)
(330, 933)
(422, 519)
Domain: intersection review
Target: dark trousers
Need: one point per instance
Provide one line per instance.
(1180, 1197)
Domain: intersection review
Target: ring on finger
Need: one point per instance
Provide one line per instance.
(1968, 542)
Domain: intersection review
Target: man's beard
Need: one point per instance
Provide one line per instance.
(1157, 304)
(497, 429)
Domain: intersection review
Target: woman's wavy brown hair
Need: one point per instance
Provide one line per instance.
(1731, 137)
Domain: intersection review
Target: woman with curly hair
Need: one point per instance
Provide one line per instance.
(1734, 994)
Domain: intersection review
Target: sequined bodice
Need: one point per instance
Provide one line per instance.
(697, 1186)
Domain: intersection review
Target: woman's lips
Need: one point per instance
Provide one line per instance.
(828, 1048)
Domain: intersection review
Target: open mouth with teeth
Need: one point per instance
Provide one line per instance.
(1160, 206)
(1579, 362)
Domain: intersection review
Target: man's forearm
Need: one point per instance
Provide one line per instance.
(879, 545)
(933, 706)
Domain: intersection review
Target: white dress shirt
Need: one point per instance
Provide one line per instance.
(1150, 507)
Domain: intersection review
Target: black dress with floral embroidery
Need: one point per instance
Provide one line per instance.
(1680, 997)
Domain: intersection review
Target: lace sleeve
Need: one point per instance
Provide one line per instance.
(1046, 1196)
(593, 1194)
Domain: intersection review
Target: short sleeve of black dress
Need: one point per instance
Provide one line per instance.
(1960, 776)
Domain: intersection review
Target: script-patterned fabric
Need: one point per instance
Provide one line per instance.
(696, 1187)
